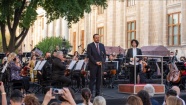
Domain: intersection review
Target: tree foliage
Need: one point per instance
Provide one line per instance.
(49, 44)
(22, 14)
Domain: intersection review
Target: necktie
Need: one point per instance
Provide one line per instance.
(97, 46)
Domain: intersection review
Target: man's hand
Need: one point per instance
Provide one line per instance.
(98, 63)
(131, 59)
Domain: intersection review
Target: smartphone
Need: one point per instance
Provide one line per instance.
(57, 91)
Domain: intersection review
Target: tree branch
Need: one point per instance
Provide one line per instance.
(2, 25)
(21, 34)
(17, 16)
(9, 25)
(22, 38)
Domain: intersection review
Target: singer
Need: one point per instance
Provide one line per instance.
(96, 54)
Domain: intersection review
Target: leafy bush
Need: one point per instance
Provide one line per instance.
(49, 44)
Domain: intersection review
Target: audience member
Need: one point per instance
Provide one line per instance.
(86, 95)
(16, 97)
(31, 99)
(177, 89)
(99, 100)
(134, 100)
(170, 92)
(144, 97)
(3, 94)
(65, 94)
(173, 100)
(150, 89)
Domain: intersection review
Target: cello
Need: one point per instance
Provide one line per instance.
(174, 75)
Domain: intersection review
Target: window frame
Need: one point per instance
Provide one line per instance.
(101, 35)
(131, 3)
(172, 25)
(130, 31)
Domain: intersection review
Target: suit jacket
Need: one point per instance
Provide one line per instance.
(58, 68)
(130, 54)
(93, 54)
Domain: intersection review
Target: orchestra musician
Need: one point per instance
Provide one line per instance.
(76, 56)
(58, 69)
(80, 76)
(57, 49)
(97, 56)
(31, 66)
(111, 72)
(15, 68)
(130, 58)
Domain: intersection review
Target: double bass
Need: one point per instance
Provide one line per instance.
(174, 75)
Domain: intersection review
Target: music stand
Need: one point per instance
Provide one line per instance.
(72, 64)
(38, 67)
(79, 65)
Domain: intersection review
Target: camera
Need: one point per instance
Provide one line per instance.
(57, 91)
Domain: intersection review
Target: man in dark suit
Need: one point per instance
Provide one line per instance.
(130, 57)
(96, 54)
(58, 69)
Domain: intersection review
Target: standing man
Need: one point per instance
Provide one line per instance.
(96, 54)
(130, 57)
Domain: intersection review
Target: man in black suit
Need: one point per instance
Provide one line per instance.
(58, 69)
(130, 57)
(96, 54)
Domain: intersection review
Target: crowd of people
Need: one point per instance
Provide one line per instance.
(64, 97)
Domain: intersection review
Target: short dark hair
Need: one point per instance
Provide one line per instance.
(171, 92)
(95, 35)
(16, 96)
(134, 40)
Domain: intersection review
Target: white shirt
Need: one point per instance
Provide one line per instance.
(84, 104)
(134, 52)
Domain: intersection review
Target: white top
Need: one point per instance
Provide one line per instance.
(134, 52)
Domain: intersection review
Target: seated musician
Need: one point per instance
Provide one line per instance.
(110, 73)
(75, 56)
(80, 76)
(15, 68)
(58, 69)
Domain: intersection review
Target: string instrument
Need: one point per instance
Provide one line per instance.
(24, 71)
(174, 75)
(113, 72)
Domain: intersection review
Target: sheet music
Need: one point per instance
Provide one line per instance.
(37, 65)
(132, 63)
(71, 65)
(4, 68)
(79, 65)
(41, 65)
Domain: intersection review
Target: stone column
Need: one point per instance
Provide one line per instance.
(183, 22)
(65, 29)
(45, 27)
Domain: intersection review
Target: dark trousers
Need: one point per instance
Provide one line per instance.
(132, 73)
(79, 77)
(26, 83)
(95, 77)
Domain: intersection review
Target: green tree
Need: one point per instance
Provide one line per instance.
(49, 44)
(22, 14)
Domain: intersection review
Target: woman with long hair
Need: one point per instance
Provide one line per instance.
(134, 100)
(15, 68)
(144, 95)
(86, 95)
(76, 56)
(173, 100)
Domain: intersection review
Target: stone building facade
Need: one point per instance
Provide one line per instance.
(151, 22)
